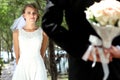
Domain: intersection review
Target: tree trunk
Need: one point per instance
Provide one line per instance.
(53, 66)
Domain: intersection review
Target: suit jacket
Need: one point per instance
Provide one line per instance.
(75, 39)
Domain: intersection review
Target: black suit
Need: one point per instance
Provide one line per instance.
(75, 39)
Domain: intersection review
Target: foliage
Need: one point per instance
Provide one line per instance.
(1, 65)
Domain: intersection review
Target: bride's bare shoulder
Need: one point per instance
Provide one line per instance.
(15, 32)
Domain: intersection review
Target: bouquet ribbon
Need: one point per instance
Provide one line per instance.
(95, 41)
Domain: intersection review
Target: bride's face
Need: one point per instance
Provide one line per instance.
(30, 15)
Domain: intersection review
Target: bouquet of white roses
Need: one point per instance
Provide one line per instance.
(105, 12)
(104, 16)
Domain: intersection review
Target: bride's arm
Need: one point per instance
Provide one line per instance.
(44, 44)
(16, 45)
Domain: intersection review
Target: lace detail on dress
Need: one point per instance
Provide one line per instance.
(30, 35)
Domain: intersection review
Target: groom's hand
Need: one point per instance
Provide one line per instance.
(91, 58)
(114, 52)
(106, 52)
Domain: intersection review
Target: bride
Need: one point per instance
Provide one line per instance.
(30, 43)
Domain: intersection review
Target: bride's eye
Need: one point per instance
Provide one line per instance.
(28, 13)
(34, 13)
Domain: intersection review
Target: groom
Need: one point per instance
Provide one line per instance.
(75, 39)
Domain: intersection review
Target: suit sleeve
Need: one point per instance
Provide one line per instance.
(52, 20)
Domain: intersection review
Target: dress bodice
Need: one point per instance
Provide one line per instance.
(30, 42)
(31, 64)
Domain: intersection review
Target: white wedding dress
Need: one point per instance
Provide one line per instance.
(30, 65)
